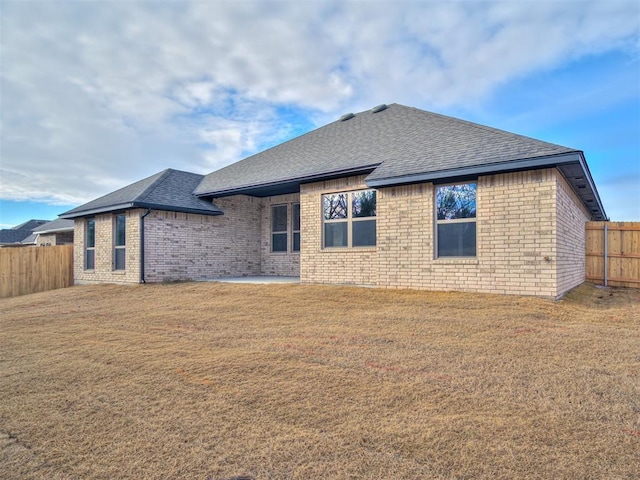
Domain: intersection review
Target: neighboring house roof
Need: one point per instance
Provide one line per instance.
(30, 225)
(20, 232)
(398, 145)
(57, 225)
(167, 190)
(10, 235)
(30, 240)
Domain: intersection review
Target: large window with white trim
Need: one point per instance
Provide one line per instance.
(456, 220)
(349, 219)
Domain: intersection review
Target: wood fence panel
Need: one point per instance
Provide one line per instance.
(623, 253)
(27, 270)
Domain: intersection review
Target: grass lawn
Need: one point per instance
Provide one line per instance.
(215, 381)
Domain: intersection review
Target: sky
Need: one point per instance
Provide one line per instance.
(95, 95)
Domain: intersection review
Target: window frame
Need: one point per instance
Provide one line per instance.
(468, 220)
(284, 232)
(350, 219)
(295, 231)
(117, 247)
(89, 251)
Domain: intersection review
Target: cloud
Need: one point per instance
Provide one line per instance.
(100, 94)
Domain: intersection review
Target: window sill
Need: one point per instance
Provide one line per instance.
(458, 260)
(348, 249)
(119, 272)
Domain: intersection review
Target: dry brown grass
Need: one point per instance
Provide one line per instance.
(212, 381)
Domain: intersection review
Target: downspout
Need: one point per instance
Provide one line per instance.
(142, 280)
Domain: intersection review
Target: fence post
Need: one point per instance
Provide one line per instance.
(606, 251)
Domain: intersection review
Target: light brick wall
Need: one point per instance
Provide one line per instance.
(46, 239)
(181, 246)
(357, 266)
(516, 233)
(530, 240)
(571, 237)
(516, 239)
(278, 263)
(53, 239)
(405, 237)
(104, 250)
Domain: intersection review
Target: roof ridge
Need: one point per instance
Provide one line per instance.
(281, 144)
(166, 174)
(23, 224)
(484, 127)
(153, 185)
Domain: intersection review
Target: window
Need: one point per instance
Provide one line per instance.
(119, 242)
(90, 244)
(295, 228)
(349, 219)
(456, 220)
(279, 228)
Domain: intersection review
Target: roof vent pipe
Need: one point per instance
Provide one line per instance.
(346, 116)
(379, 108)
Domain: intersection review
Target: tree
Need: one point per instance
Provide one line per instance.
(456, 201)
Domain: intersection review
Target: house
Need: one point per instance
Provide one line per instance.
(393, 197)
(20, 235)
(56, 232)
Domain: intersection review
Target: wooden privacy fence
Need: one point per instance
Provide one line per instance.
(26, 270)
(613, 253)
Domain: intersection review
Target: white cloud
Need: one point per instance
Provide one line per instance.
(99, 94)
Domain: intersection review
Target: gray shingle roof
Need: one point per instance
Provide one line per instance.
(167, 190)
(30, 240)
(397, 141)
(30, 225)
(20, 232)
(13, 235)
(57, 225)
(396, 145)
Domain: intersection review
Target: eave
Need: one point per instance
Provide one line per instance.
(130, 205)
(283, 187)
(572, 166)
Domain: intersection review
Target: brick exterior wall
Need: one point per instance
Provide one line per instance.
(53, 239)
(530, 240)
(516, 249)
(524, 221)
(357, 266)
(104, 267)
(571, 217)
(278, 263)
(181, 246)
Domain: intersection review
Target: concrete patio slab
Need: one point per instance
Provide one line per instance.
(257, 279)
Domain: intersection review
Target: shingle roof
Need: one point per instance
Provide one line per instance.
(30, 240)
(398, 141)
(20, 232)
(13, 235)
(396, 145)
(167, 190)
(30, 225)
(57, 225)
